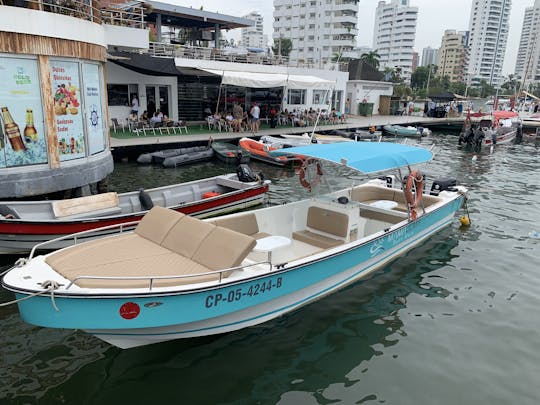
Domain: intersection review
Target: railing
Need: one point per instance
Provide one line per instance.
(91, 10)
(191, 52)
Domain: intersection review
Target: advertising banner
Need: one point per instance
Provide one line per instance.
(22, 132)
(94, 111)
(67, 109)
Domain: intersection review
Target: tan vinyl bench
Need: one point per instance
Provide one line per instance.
(165, 243)
(325, 228)
(245, 223)
(99, 204)
(370, 194)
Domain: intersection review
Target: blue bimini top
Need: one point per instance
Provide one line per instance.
(365, 157)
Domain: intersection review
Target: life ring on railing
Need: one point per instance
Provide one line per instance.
(310, 182)
(413, 200)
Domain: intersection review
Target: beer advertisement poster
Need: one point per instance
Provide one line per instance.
(22, 128)
(67, 109)
(94, 109)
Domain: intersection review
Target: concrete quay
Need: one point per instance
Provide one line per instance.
(352, 122)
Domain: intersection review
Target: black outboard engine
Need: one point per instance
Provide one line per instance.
(439, 185)
(246, 175)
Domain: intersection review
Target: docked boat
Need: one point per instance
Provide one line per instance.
(25, 223)
(408, 131)
(360, 135)
(261, 151)
(501, 128)
(230, 153)
(176, 157)
(176, 276)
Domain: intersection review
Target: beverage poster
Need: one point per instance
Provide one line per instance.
(94, 111)
(67, 109)
(22, 131)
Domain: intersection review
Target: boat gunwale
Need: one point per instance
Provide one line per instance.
(275, 270)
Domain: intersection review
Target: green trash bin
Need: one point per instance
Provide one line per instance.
(365, 109)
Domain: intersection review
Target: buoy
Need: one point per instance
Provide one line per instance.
(464, 220)
(534, 234)
(474, 158)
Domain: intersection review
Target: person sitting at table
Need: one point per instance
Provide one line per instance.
(144, 117)
(156, 120)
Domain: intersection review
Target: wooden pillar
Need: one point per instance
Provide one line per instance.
(48, 111)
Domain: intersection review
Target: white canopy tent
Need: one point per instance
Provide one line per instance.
(262, 80)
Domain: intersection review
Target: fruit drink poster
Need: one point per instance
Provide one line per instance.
(22, 132)
(67, 109)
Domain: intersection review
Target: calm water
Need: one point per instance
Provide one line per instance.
(455, 321)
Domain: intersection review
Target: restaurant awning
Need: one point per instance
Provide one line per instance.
(262, 80)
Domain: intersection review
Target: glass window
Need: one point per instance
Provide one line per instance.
(118, 94)
(297, 96)
(22, 129)
(320, 97)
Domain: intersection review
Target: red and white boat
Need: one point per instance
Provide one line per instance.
(23, 224)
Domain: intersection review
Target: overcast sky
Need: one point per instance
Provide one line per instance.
(434, 16)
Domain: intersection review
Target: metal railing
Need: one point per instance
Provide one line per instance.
(162, 49)
(90, 10)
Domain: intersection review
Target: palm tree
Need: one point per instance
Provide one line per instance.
(371, 58)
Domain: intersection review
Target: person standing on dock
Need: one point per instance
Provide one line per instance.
(135, 105)
(238, 114)
(255, 113)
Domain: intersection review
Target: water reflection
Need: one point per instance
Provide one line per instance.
(322, 344)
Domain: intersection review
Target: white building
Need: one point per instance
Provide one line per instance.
(528, 57)
(429, 56)
(394, 35)
(488, 26)
(254, 37)
(318, 29)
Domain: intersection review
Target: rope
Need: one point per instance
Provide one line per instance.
(465, 198)
(19, 263)
(50, 286)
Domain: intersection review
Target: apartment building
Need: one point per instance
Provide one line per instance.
(254, 37)
(319, 30)
(394, 35)
(528, 57)
(453, 55)
(488, 27)
(429, 56)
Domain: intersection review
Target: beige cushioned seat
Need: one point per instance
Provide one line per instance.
(246, 224)
(326, 221)
(187, 246)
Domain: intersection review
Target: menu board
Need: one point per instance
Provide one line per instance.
(22, 132)
(67, 109)
(94, 110)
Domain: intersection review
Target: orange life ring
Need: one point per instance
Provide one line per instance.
(302, 175)
(413, 200)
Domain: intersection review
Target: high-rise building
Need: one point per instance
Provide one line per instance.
(254, 37)
(414, 65)
(320, 30)
(488, 27)
(429, 56)
(394, 34)
(528, 57)
(453, 55)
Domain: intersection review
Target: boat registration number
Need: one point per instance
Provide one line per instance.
(213, 300)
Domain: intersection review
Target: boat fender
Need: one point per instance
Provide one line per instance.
(312, 182)
(8, 213)
(413, 200)
(145, 200)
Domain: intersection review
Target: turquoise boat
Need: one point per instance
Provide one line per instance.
(179, 277)
(398, 130)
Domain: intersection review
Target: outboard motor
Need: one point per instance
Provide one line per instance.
(246, 175)
(443, 184)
